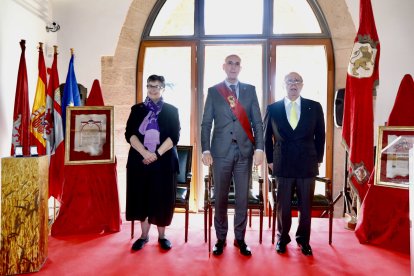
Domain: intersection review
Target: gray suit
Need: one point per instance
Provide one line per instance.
(231, 158)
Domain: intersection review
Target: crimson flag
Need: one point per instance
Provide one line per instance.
(37, 119)
(21, 114)
(358, 120)
(57, 145)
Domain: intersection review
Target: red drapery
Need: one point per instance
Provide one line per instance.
(384, 217)
(89, 201)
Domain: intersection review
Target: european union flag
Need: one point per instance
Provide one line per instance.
(71, 95)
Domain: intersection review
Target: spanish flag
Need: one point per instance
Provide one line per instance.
(37, 119)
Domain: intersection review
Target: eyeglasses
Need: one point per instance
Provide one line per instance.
(236, 63)
(291, 82)
(156, 87)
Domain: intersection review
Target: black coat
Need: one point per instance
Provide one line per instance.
(151, 189)
(295, 153)
(169, 126)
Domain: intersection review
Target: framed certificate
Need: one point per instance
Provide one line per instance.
(392, 157)
(89, 135)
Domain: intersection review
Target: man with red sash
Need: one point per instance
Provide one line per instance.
(237, 141)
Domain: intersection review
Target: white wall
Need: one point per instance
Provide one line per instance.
(90, 27)
(394, 21)
(19, 19)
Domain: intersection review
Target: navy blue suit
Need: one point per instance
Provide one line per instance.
(295, 154)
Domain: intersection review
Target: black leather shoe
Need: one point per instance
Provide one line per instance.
(219, 247)
(306, 248)
(165, 244)
(244, 249)
(139, 244)
(280, 247)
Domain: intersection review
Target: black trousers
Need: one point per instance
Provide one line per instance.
(304, 188)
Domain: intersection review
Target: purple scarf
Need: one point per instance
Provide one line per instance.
(149, 126)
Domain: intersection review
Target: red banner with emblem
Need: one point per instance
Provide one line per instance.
(57, 157)
(21, 114)
(358, 120)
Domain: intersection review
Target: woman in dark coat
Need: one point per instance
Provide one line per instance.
(153, 131)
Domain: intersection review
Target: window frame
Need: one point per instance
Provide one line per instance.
(199, 40)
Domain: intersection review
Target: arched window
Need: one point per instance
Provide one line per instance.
(187, 41)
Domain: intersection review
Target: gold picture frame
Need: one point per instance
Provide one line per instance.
(392, 156)
(89, 137)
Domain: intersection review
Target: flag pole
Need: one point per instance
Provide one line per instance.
(55, 51)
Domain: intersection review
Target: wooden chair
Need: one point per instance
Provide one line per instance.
(255, 203)
(185, 155)
(322, 204)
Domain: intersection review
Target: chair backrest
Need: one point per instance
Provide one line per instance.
(255, 195)
(185, 154)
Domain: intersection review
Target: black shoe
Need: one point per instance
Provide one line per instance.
(139, 244)
(219, 247)
(306, 248)
(280, 247)
(244, 249)
(165, 244)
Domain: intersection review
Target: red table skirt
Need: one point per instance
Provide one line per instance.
(384, 219)
(90, 201)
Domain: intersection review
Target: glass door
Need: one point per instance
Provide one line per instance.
(251, 71)
(311, 61)
(176, 64)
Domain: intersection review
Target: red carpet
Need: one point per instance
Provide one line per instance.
(110, 254)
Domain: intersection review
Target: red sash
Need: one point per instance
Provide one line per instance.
(236, 108)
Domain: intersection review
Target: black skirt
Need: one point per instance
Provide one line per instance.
(151, 191)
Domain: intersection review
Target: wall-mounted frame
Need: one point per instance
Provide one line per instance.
(89, 135)
(392, 162)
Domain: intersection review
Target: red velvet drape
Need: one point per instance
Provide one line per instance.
(89, 201)
(384, 217)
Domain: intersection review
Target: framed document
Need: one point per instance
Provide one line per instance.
(89, 135)
(392, 157)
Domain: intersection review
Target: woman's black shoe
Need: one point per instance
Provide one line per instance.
(165, 244)
(139, 244)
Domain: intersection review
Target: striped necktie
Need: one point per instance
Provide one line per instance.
(293, 118)
(233, 89)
